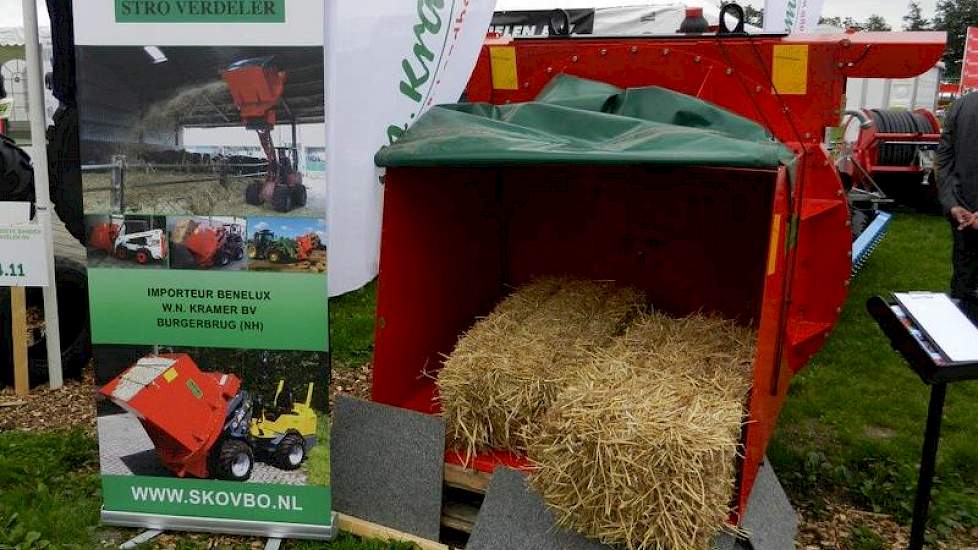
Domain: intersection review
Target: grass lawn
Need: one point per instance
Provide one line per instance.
(853, 425)
(851, 430)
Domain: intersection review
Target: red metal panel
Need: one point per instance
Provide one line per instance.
(969, 63)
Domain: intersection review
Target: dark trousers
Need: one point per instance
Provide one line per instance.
(964, 283)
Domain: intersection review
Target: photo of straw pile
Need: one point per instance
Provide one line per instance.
(631, 418)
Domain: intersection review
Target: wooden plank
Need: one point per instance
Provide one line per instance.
(459, 516)
(366, 529)
(18, 318)
(466, 478)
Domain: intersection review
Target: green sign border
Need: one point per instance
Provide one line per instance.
(177, 11)
(191, 497)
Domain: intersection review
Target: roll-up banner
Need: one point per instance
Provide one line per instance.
(387, 63)
(792, 16)
(201, 133)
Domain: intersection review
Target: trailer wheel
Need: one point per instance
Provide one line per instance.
(72, 284)
(234, 460)
(143, 256)
(274, 256)
(253, 193)
(239, 253)
(252, 251)
(282, 198)
(290, 453)
(121, 253)
(299, 195)
(16, 174)
(222, 258)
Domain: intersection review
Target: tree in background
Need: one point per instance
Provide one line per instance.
(876, 23)
(915, 20)
(954, 17)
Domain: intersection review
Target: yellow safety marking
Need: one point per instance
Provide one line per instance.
(170, 375)
(790, 70)
(502, 61)
(772, 253)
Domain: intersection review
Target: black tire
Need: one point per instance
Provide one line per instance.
(76, 347)
(253, 194)
(239, 253)
(222, 258)
(181, 258)
(282, 199)
(299, 193)
(228, 457)
(143, 256)
(16, 174)
(290, 453)
(64, 167)
(252, 251)
(274, 256)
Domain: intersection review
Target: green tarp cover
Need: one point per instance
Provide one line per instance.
(577, 121)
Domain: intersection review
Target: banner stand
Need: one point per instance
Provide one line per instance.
(274, 531)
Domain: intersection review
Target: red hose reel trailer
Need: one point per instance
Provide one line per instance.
(893, 150)
(769, 247)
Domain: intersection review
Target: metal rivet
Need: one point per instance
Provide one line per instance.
(838, 310)
(758, 89)
(698, 58)
(574, 59)
(808, 135)
(526, 85)
(841, 65)
(665, 51)
(838, 192)
(848, 223)
(604, 51)
(550, 69)
(634, 49)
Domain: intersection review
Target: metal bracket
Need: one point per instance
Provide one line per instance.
(273, 544)
(141, 538)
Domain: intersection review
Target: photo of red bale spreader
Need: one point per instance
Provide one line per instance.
(202, 424)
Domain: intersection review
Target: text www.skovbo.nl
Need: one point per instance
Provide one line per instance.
(207, 497)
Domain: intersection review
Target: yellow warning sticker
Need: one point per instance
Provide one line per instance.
(772, 253)
(502, 61)
(790, 70)
(170, 375)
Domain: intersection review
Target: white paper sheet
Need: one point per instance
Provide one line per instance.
(944, 323)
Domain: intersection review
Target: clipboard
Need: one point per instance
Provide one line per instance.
(943, 324)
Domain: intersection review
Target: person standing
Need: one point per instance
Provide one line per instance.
(957, 180)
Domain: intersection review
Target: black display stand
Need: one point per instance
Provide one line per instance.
(935, 372)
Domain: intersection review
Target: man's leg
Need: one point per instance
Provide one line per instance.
(964, 283)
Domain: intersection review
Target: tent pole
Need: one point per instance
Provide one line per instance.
(38, 116)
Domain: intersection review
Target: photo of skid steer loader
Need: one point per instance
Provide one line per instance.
(202, 424)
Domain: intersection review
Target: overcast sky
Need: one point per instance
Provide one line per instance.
(892, 10)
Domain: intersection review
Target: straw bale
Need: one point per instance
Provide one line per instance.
(640, 450)
(509, 367)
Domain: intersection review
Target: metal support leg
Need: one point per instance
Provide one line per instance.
(273, 544)
(141, 538)
(928, 460)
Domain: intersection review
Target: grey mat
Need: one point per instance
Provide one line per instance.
(513, 516)
(770, 521)
(387, 466)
